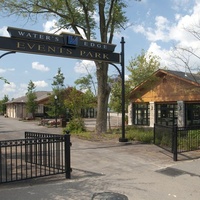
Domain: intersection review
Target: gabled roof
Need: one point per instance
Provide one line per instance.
(39, 94)
(193, 78)
(187, 77)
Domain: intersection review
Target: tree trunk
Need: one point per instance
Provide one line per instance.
(103, 95)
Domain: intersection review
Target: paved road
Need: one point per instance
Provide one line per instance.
(107, 170)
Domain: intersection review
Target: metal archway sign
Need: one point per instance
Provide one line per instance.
(66, 45)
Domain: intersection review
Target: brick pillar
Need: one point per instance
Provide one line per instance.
(152, 114)
(130, 114)
(180, 114)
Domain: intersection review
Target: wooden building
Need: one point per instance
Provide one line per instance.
(168, 98)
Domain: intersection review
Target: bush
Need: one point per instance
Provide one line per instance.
(75, 125)
(137, 134)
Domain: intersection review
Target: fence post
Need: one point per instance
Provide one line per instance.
(67, 155)
(174, 142)
(1, 174)
(154, 134)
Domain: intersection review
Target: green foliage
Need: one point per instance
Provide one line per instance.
(75, 125)
(2, 104)
(3, 79)
(142, 67)
(31, 104)
(137, 134)
(115, 103)
(77, 100)
(86, 83)
(57, 106)
(58, 81)
(111, 13)
(190, 142)
(89, 135)
(79, 15)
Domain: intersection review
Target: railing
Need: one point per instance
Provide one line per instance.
(177, 139)
(37, 155)
(188, 138)
(163, 136)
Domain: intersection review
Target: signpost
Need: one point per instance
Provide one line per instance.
(66, 45)
(64, 39)
(51, 49)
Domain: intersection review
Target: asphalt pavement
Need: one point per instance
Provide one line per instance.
(108, 170)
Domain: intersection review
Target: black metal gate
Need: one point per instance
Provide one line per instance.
(177, 139)
(38, 155)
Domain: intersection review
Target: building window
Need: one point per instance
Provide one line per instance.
(166, 114)
(88, 113)
(192, 114)
(141, 114)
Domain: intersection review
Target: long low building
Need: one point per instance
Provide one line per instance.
(17, 107)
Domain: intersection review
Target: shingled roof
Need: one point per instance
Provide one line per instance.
(39, 94)
(188, 77)
(184, 75)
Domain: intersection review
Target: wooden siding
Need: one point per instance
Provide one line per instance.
(167, 89)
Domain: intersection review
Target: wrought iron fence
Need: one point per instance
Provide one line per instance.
(163, 136)
(188, 138)
(37, 155)
(177, 139)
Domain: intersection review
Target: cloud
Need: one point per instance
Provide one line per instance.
(181, 5)
(40, 67)
(4, 32)
(7, 88)
(165, 30)
(164, 54)
(2, 71)
(84, 67)
(6, 70)
(50, 25)
(40, 84)
(13, 91)
(166, 34)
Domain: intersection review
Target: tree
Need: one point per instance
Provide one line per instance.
(3, 79)
(31, 104)
(86, 83)
(187, 55)
(142, 67)
(115, 102)
(80, 14)
(56, 106)
(2, 104)
(75, 101)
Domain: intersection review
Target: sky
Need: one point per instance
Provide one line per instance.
(155, 26)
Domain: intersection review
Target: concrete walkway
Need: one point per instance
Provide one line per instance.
(107, 170)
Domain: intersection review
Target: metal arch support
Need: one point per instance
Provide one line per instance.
(121, 73)
(7, 53)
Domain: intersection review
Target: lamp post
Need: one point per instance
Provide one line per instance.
(22, 101)
(55, 98)
(122, 139)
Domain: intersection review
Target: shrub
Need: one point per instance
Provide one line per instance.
(142, 135)
(75, 125)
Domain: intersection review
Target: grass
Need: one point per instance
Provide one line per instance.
(131, 133)
(140, 134)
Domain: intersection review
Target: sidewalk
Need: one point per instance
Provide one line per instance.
(109, 170)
